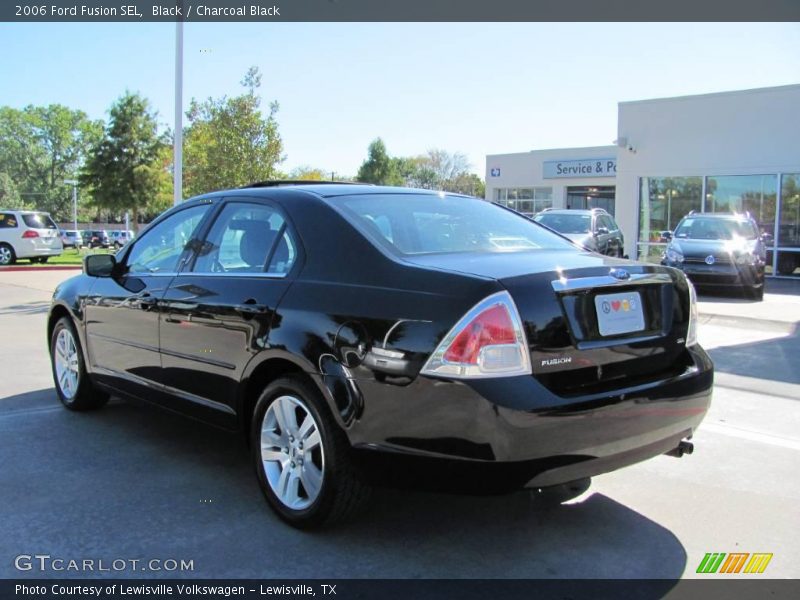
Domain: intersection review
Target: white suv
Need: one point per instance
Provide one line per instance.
(27, 234)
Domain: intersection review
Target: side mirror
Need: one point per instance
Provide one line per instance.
(767, 238)
(99, 265)
(666, 235)
(602, 231)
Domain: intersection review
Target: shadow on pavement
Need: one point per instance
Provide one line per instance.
(28, 308)
(132, 481)
(774, 359)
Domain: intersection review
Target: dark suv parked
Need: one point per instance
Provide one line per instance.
(592, 228)
(356, 333)
(95, 238)
(719, 249)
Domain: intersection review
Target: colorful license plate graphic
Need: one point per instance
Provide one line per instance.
(619, 313)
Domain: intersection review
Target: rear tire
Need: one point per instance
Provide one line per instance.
(756, 293)
(302, 458)
(7, 255)
(554, 495)
(73, 386)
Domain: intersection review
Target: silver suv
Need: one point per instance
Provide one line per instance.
(27, 234)
(120, 237)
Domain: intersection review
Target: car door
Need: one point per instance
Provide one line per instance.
(122, 313)
(218, 311)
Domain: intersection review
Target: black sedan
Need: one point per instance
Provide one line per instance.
(353, 332)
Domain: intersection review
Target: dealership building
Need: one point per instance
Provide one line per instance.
(725, 152)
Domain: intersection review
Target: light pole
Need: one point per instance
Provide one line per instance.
(74, 184)
(177, 182)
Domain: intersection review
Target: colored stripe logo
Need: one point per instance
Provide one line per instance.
(734, 562)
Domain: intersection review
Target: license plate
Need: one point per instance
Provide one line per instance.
(619, 313)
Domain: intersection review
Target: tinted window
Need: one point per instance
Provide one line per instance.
(38, 221)
(565, 223)
(160, 247)
(7, 221)
(425, 224)
(715, 229)
(243, 237)
(605, 221)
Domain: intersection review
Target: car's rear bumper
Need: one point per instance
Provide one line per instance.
(463, 435)
(29, 248)
(723, 274)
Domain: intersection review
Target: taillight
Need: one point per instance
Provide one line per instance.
(30, 234)
(691, 332)
(487, 342)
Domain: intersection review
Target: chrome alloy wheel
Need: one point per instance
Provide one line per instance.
(292, 452)
(5, 255)
(66, 361)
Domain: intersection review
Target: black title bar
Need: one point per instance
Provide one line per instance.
(398, 589)
(134, 11)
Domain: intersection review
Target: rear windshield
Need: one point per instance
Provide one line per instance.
(715, 229)
(428, 224)
(38, 221)
(566, 223)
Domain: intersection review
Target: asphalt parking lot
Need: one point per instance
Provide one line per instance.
(132, 482)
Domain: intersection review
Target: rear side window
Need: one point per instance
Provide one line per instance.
(439, 223)
(38, 221)
(566, 223)
(7, 221)
(244, 238)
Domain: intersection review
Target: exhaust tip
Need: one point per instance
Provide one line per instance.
(683, 447)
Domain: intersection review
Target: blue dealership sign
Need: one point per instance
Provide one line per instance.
(585, 167)
(495, 171)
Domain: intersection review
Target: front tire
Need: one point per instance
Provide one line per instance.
(302, 458)
(73, 386)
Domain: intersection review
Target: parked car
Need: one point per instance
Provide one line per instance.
(27, 234)
(120, 237)
(719, 249)
(592, 228)
(96, 238)
(71, 238)
(355, 333)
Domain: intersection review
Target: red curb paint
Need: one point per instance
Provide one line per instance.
(53, 268)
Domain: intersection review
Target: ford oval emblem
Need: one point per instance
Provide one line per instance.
(620, 274)
(710, 260)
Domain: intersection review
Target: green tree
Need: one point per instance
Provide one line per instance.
(229, 142)
(379, 168)
(123, 171)
(306, 173)
(9, 194)
(40, 146)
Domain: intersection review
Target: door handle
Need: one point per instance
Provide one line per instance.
(250, 307)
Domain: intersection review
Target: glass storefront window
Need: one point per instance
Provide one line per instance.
(756, 194)
(651, 253)
(664, 201)
(527, 201)
(789, 226)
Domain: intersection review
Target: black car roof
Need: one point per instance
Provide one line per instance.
(326, 189)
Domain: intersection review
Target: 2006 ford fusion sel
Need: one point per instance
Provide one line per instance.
(353, 331)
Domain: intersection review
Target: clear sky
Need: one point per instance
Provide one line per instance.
(476, 88)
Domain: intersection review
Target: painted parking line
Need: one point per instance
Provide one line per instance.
(751, 435)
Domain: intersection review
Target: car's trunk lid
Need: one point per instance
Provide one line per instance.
(593, 323)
